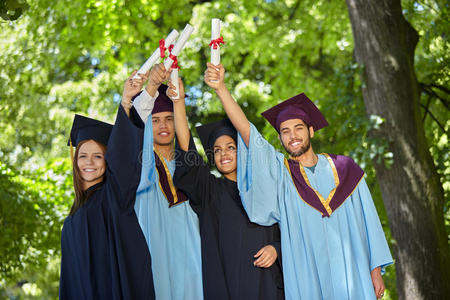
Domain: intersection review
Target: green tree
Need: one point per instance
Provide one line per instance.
(385, 43)
(30, 222)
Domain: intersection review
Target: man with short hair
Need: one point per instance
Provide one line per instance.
(170, 226)
(332, 242)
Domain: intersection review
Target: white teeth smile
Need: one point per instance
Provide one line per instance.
(164, 133)
(295, 144)
(89, 170)
(226, 161)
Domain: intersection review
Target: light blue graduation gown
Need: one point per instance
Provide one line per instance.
(323, 258)
(172, 234)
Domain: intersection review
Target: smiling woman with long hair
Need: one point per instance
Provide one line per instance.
(82, 160)
(104, 253)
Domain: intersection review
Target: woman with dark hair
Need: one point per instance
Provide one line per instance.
(240, 259)
(104, 253)
(89, 159)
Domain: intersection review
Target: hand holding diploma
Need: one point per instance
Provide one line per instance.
(159, 52)
(171, 91)
(215, 77)
(131, 88)
(158, 75)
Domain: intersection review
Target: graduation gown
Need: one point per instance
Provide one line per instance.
(104, 253)
(172, 233)
(323, 257)
(229, 239)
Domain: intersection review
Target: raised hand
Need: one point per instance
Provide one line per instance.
(158, 74)
(132, 87)
(266, 256)
(215, 76)
(171, 91)
(179, 111)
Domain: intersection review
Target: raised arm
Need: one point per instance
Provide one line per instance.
(179, 110)
(214, 77)
(131, 88)
(159, 74)
(124, 146)
(144, 101)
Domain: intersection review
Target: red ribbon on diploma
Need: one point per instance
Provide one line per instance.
(174, 58)
(216, 43)
(175, 61)
(162, 47)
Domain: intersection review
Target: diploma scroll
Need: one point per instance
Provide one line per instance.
(174, 80)
(153, 59)
(179, 45)
(215, 49)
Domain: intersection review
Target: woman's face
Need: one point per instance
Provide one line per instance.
(91, 163)
(225, 154)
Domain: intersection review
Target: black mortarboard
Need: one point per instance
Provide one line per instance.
(297, 107)
(210, 132)
(84, 128)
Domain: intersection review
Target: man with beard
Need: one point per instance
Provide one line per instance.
(332, 243)
(170, 226)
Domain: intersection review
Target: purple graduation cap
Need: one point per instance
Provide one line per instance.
(297, 107)
(84, 128)
(162, 102)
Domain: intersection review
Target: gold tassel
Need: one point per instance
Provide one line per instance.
(71, 149)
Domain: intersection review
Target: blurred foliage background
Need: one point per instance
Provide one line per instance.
(63, 57)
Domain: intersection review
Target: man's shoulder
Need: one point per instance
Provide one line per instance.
(345, 164)
(342, 158)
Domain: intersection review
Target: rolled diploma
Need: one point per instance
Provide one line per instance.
(156, 54)
(174, 79)
(179, 45)
(215, 33)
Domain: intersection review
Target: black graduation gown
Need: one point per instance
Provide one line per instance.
(229, 240)
(104, 252)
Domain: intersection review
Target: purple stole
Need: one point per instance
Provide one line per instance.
(173, 195)
(347, 175)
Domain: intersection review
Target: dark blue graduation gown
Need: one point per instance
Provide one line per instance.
(104, 253)
(229, 240)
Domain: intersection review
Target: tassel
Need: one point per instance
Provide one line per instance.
(71, 150)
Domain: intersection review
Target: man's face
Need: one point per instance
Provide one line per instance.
(295, 136)
(163, 128)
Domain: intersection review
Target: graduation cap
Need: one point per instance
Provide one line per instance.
(297, 107)
(210, 132)
(162, 102)
(84, 128)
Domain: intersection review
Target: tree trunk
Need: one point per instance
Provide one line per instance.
(412, 193)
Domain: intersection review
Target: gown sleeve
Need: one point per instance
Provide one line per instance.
(122, 156)
(143, 103)
(259, 174)
(193, 177)
(276, 242)
(379, 253)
